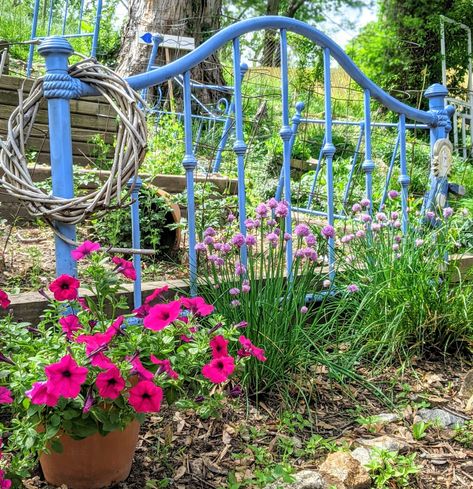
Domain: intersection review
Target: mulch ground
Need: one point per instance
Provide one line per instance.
(248, 443)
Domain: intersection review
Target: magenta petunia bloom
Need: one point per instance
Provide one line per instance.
(5, 395)
(65, 377)
(4, 299)
(139, 369)
(146, 397)
(83, 303)
(65, 288)
(70, 324)
(39, 394)
(110, 383)
(85, 249)
(328, 231)
(157, 293)
(162, 315)
(164, 366)
(197, 306)
(219, 369)
(250, 350)
(125, 267)
(219, 346)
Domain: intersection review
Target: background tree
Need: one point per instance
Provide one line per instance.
(401, 50)
(197, 19)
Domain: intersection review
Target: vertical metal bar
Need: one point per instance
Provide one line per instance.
(455, 131)
(403, 177)
(239, 147)
(296, 120)
(316, 174)
(390, 170)
(95, 38)
(136, 236)
(81, 14)
(50, 18)
(190, 162)
(64, 19)
(227, 125)
(368, 164)
(329, 151)
(56, 52)
(346, 193)
(443, 53)
(157, 40)
(286, 133)
(464, 152)
(34, 28)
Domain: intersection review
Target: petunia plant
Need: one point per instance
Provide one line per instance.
(89, 366)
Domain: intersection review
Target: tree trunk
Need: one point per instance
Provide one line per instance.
(271, 46)
(197, 19)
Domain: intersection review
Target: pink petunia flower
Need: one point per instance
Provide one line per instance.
(65, 288)
(146, 397)
(219, 369)
(164, 366)
(65, 377)
(85, 249)
(5, 395)
(40, 394)
(250, 350)
(110, 383)
(219, 346)
(162, 315)
(70, 324)
(157, 293)
(4, 299)
(125, 267)
(197, 306)
(139, 369)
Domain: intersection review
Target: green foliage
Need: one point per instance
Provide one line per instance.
(419, 429)
(464, 434)
(401, 50)
(389, 469)
(155, 219)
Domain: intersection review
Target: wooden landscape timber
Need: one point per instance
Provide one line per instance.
(28, 306)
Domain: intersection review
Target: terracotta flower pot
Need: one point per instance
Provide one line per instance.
(94, 462)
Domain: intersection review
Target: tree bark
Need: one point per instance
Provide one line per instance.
(271, 49)
(197, 19)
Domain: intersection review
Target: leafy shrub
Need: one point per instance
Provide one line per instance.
(155, 222)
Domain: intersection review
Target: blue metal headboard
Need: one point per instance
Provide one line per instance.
(56, 52)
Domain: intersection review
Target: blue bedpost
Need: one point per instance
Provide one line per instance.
(34, 27)
(436, 94)
(136, 185)
(95, 38)
(404, 178)
(157, 40)
(59, 87)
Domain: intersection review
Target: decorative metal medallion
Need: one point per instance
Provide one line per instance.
(442, 158)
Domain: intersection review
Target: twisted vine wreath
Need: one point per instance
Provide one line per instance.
(130, 149)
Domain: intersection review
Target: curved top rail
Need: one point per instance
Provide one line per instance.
(161, 74)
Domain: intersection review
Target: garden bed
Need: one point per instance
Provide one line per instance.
(250, 445)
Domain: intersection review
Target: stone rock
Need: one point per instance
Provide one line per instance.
(306, 479)
(385, 418)
(362, 454)
(466, 390)
(344, 472)
(437, 415)
(384, 443)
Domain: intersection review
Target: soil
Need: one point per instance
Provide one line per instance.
(180, 451)
(27, 260)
